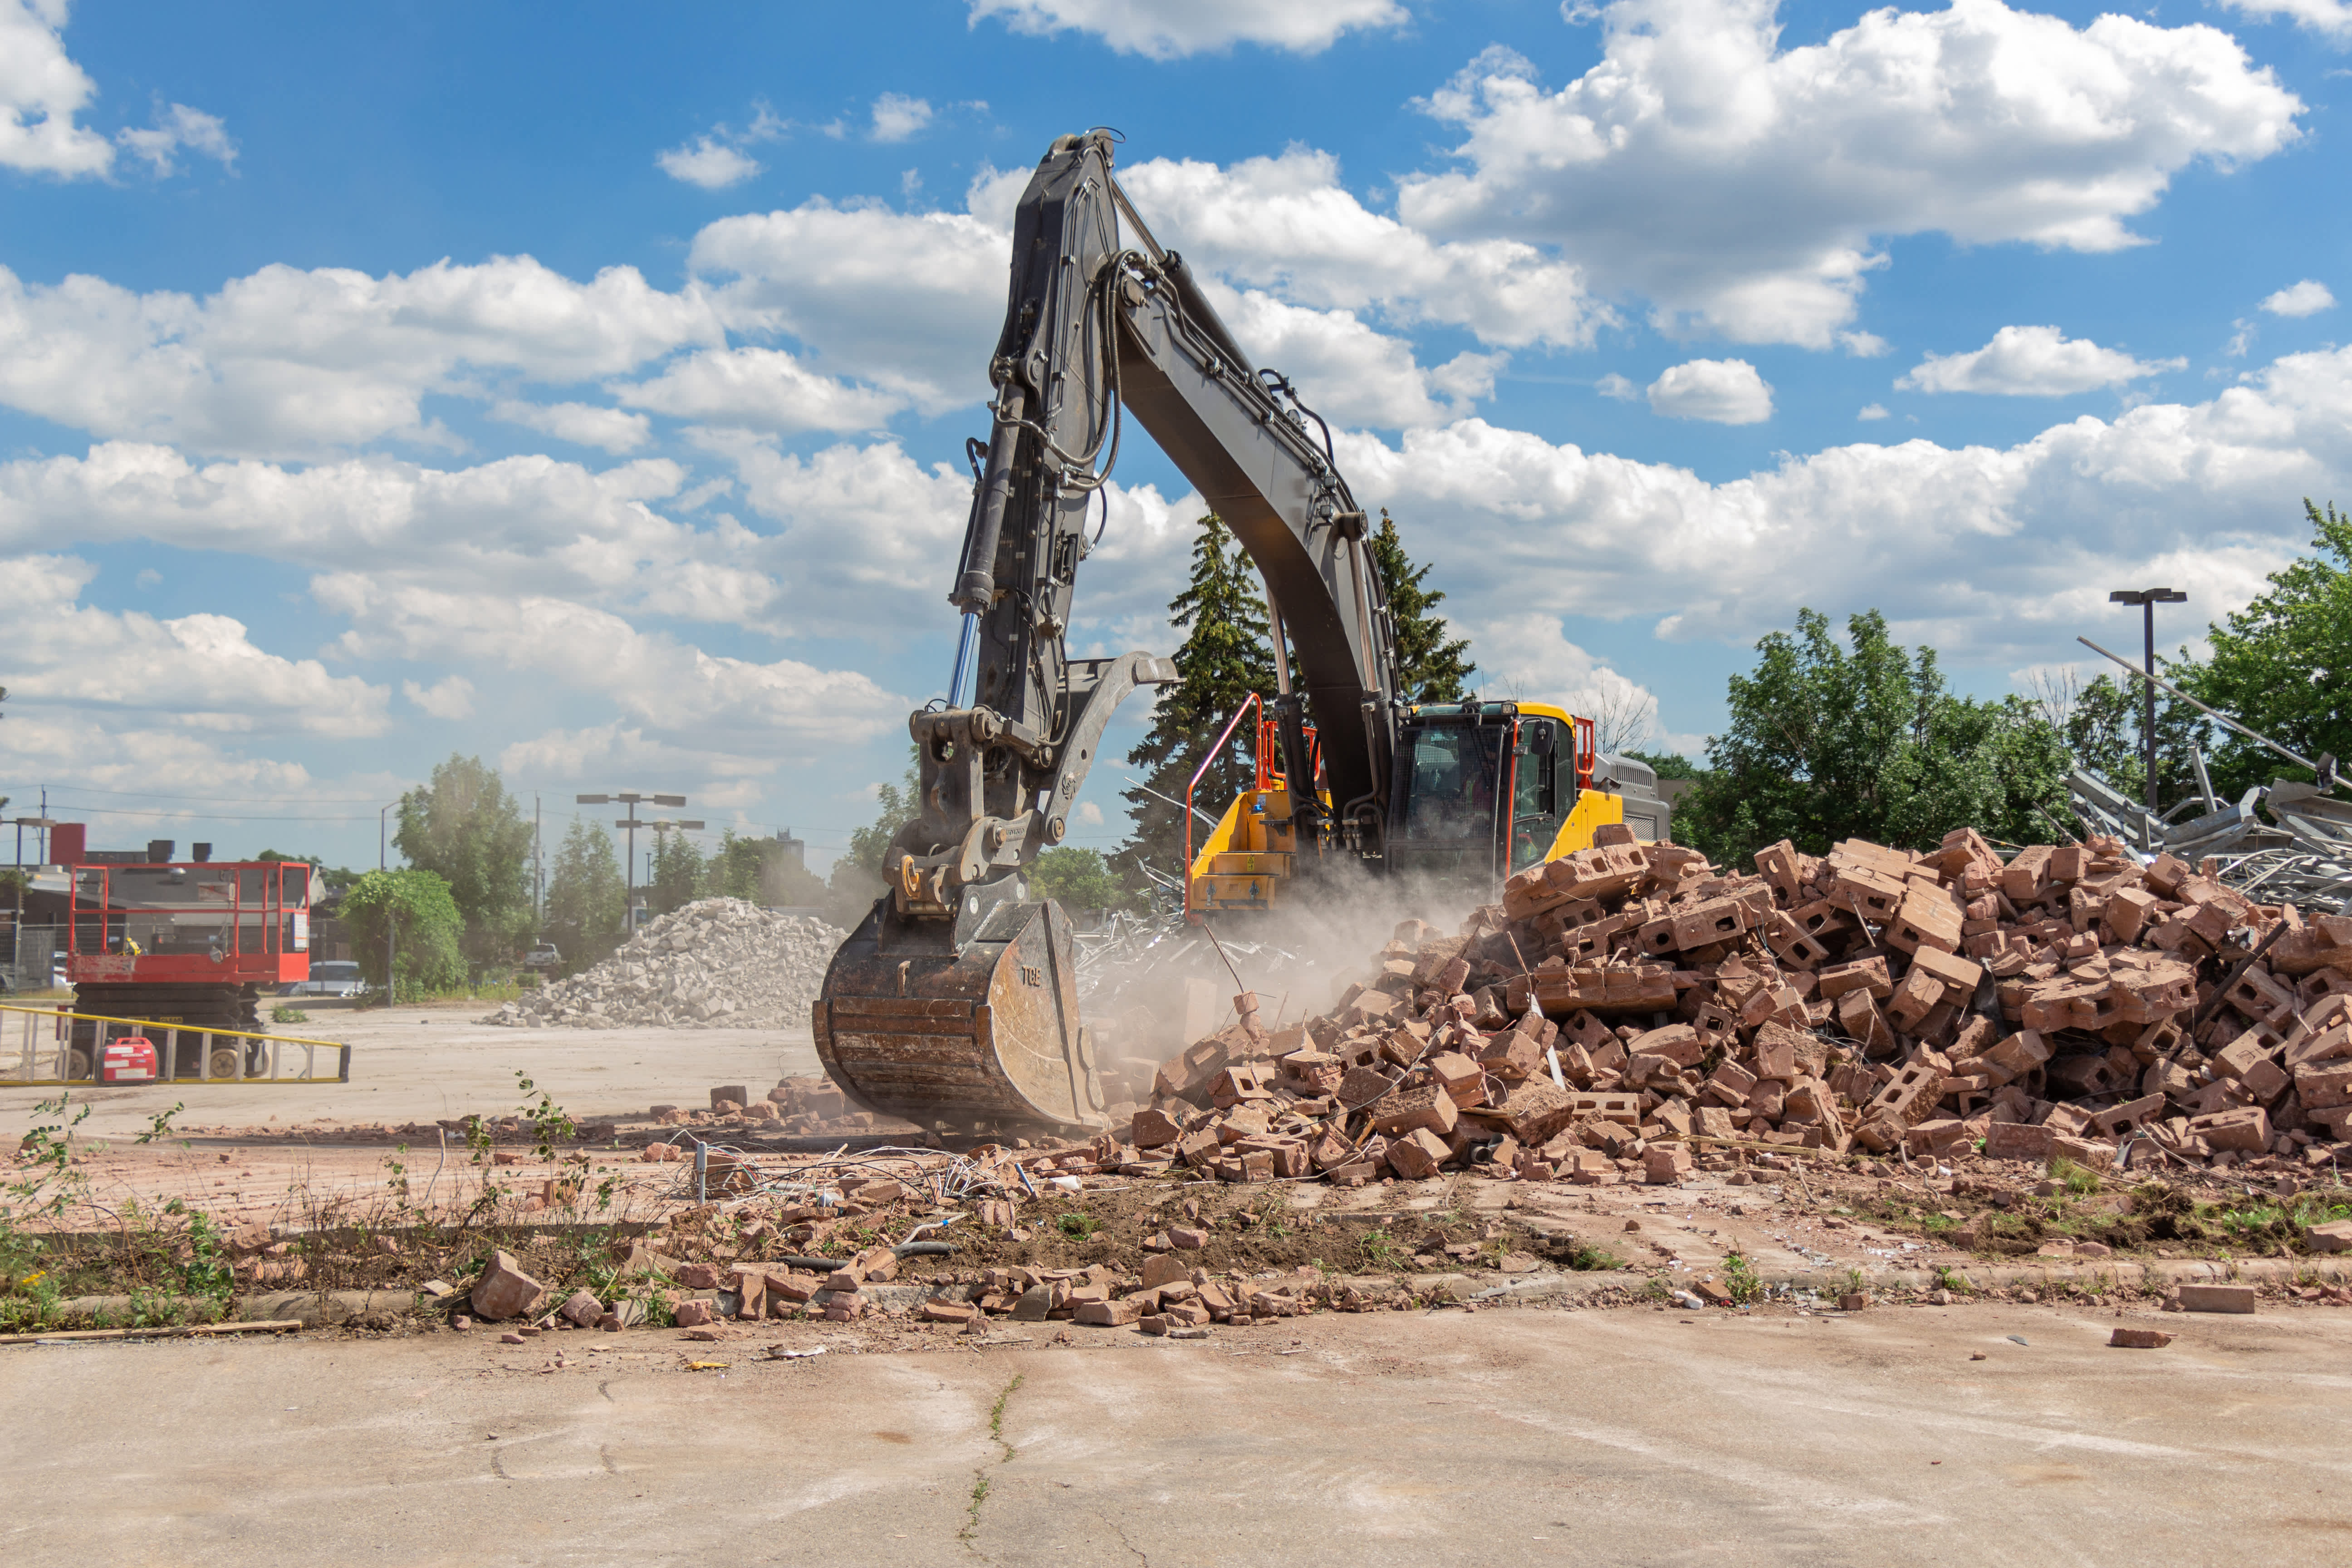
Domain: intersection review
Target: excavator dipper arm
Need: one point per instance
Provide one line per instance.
(953, 1004)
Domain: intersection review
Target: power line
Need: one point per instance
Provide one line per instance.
(193, 815)
(244, 799)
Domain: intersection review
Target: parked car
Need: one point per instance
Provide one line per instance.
(329, 977)
(542, 956)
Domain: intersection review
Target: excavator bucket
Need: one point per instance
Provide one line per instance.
(967, 1023)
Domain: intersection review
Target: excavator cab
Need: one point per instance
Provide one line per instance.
(1484, 789)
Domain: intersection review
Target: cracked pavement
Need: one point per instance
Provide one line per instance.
(1637, 1435)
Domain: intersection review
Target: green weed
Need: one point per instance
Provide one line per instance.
(2079, 1181)
(1585, 1257)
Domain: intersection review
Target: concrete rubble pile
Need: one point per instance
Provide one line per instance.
(717, 964)
(1629, 1010)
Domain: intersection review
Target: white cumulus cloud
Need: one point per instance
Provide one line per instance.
(449, 698)
(1789, 167)
(1991, 553)
(41, 90)
(1166, 29)
(177, 126)
(1530, 657)
(2332, 19)
(1287, 224)
(765, 389)
(2031, 362)
(709, 163)
(1347, 371)
(2304, 298)
(581, 423)
(290, 362)
(897, 118)
(726, 703)
(1724, 390)
(909, 301)
(196, 674)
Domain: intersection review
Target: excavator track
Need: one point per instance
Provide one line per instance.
(961, 1023)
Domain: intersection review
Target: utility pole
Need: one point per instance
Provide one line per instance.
(537, 865)
(632, 821)
(383, 842)
(2148, 599)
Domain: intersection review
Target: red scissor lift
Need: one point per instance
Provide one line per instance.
(191, 944)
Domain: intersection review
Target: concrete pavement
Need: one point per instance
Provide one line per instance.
(434, 1062)
(1630, 1437)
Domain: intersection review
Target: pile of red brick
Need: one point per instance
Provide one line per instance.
(1629, 1006)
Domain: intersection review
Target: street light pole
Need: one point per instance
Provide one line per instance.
(2148, 599)
(632, 823)
(383, 842)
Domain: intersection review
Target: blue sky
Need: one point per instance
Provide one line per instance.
(585, 389)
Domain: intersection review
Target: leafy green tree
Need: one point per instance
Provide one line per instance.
(328, 878)
(464, 827)
(677, 873)
(1826, 743)
(1080, 879)
(2284, 663)
(1669, 765)
(1431, 666)
(417, 912)
(1225, 656)
(2103, 733)
(584, 895)
(759, 872)
(857, 879)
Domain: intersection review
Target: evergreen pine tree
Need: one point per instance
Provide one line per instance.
(1226, 655)
(1431, 668)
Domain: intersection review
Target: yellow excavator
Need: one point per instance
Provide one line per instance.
(954, 1003)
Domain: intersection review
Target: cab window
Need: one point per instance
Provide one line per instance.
(1455, 779)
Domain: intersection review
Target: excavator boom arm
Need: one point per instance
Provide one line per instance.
(954, 998)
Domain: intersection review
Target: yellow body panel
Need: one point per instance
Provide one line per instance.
(1248, 854)
(1593, 810)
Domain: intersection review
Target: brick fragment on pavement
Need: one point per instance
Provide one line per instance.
(2139, 1339)
(504, 1290)
(2217, 1298)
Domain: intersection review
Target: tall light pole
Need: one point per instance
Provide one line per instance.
(2148, 599)
(383, 842)
(632, 821)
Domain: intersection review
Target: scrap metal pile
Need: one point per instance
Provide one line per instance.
(2289, 841)
(1629, 1008)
